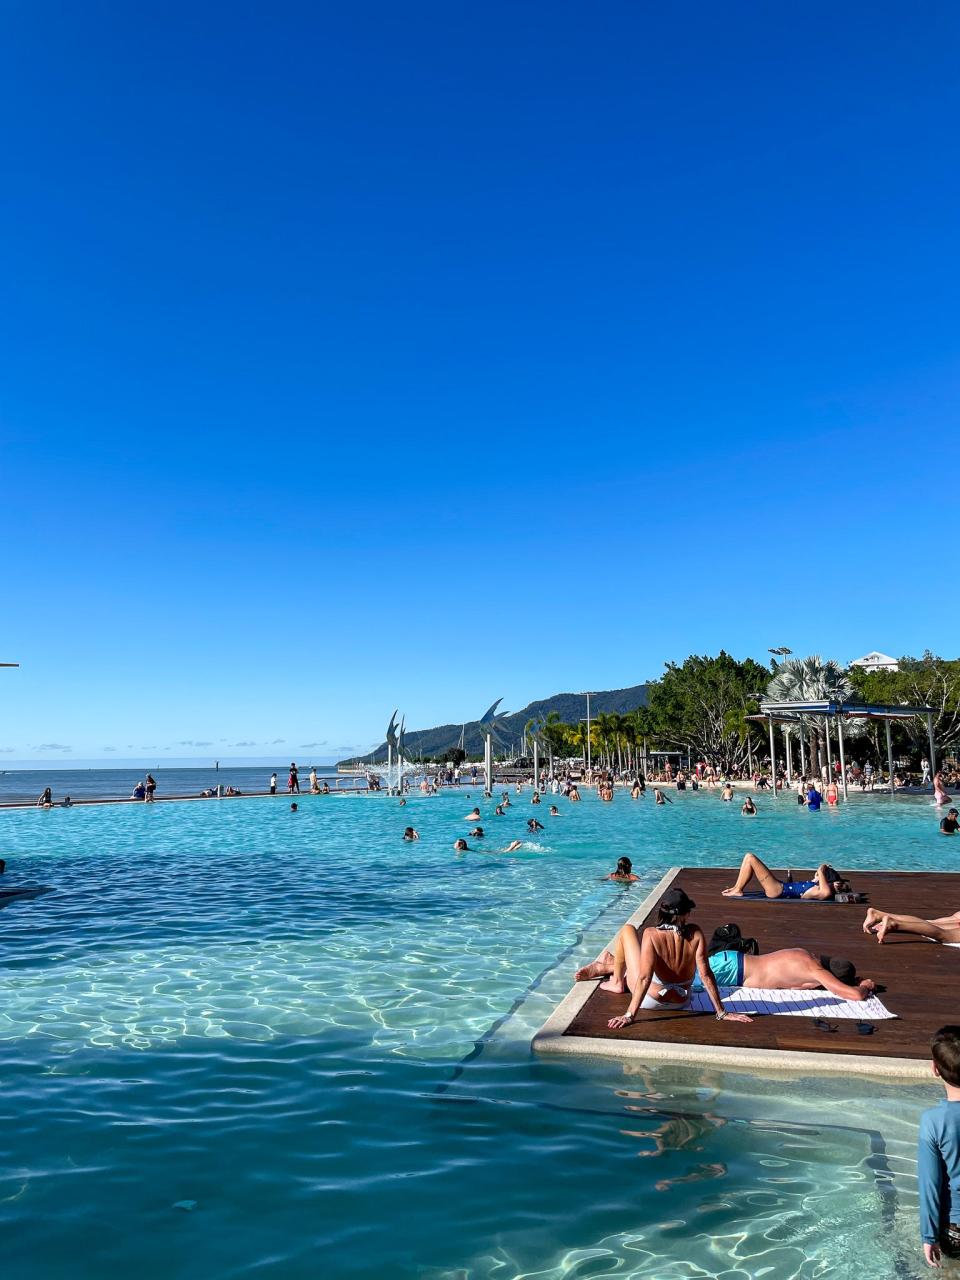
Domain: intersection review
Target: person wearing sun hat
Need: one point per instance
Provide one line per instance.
(657, 966)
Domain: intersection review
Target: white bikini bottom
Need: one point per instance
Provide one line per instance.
(650, 1000)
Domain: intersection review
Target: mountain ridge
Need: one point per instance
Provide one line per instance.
(570, 707)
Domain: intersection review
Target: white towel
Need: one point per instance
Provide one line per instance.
(793, 1004)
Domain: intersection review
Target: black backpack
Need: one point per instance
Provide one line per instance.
(727, 937)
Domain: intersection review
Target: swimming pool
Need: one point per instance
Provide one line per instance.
(243, 1041)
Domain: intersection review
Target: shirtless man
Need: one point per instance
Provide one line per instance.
(790, 969)
(943, 929)
(666, 956)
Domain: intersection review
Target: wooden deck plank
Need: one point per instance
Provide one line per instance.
(919, 977)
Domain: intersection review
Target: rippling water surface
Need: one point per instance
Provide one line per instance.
(239, 1041)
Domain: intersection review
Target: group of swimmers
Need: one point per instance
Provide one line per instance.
(534, 825)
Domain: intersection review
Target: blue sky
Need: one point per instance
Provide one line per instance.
(376, 355)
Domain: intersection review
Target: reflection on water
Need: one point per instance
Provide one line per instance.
(239, 1040)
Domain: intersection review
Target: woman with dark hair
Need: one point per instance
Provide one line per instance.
(825, 884)
(657, 967)
(624, 871)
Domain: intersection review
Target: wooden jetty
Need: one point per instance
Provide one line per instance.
(918, 980)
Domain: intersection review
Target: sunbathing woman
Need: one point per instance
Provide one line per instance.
(943, 929)
(665, 957)
(826, 883)
(790, 969)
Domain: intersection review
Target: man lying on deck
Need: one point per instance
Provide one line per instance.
(665, 959)
(943, 929)
(790, 969)
(827, 882)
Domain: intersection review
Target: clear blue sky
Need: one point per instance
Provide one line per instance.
(368, 355)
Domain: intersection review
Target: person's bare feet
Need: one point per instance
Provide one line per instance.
(885, 926)
(871, 920)
(598, 968)
(732, 892)
(618, 988)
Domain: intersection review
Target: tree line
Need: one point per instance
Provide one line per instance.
(702, 707)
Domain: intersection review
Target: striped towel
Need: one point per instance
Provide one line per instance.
(793, 1004)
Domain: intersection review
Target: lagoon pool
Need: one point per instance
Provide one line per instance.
(239, 1041)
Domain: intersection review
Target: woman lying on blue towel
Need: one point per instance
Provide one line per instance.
(827, 883)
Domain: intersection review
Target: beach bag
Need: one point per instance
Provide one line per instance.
(727, 937)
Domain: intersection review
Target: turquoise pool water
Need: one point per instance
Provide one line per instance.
(238, 1041)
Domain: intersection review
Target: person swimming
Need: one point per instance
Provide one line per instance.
(554, 811)
(498, 811)
(748, 806)
(533, 825)
(293, 807)
(660, 797)
(461, 846)
(512, 847)
(623, 872)
(477, 833)
(727, 792)
(473, 817)
(411, 834)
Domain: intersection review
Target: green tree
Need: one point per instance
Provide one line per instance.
(691, 706)
(926, 681)
(810, 680)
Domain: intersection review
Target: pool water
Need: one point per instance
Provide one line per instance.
(241, 1041)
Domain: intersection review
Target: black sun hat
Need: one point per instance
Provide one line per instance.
(676, 902)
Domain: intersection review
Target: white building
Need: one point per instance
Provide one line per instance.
(876, 662)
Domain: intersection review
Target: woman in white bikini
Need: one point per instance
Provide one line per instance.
(657, 966)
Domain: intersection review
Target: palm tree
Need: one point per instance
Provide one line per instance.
(810, 680)
(616, 729)
(576, 735)
(554, 735)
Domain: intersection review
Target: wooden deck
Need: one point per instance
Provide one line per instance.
(919, 980)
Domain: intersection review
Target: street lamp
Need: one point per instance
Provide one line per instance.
(589, 758)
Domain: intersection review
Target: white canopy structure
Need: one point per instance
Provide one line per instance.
(795, 712)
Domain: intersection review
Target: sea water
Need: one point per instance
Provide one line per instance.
(242, 1041)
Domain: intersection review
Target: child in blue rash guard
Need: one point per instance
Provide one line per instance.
(938, 1159)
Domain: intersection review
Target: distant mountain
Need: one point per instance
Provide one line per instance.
(569, 706)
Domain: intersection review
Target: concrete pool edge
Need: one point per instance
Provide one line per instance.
(552, 1038)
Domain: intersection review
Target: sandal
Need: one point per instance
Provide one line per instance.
(822, 1025)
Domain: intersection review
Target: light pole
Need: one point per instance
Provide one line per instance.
(782, 651)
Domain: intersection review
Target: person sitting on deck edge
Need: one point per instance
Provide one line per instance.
(666, 956)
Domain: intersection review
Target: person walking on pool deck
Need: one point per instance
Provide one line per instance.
(665, 957)
(938, 1156)
(828, 882)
